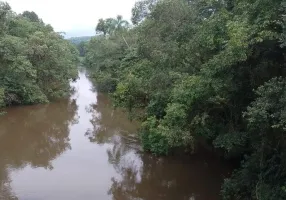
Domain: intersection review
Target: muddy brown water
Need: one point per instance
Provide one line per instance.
(83, 149)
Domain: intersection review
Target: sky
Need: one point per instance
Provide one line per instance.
(75, 17)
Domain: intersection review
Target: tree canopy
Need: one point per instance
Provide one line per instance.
(111, 25)
(36, 63)
(204, 70)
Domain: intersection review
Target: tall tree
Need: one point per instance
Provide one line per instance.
(111, 26)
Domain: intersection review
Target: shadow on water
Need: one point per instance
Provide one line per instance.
(84, 149)
(35, 136)
(143, 176)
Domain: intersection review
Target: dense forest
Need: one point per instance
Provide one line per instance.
(80, 43)
(203, 71)
(36, 63)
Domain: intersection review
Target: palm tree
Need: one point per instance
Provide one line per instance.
(120, 23)
(112, 26)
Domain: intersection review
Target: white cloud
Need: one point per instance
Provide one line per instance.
(73, 16)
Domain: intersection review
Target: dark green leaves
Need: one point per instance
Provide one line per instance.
(36, 64)
(193, 67)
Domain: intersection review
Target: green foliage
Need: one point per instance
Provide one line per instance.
(31, 16)
(263, 174)
(152, 137)
(5, 9)
(80, 43)
(104, 82)
(268, 110)
(193, 67)
(2, 97)
(128, 94)
(141, 10)
(36, 63)
(156, 106)
(81, 48)
(104, 54)
(111, 26)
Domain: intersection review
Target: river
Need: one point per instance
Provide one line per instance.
(83, 149)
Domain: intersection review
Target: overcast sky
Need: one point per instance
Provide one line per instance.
(75, 17)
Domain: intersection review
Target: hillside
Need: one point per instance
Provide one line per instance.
(77, 40)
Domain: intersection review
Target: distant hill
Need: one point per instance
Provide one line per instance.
(78, 40)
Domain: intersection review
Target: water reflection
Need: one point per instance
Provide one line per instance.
(5, 188)
(146, 177)
(166, 179)
(84, 149)
(35, 136)
(109, 123)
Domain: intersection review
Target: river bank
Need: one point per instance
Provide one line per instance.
(81, 148)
